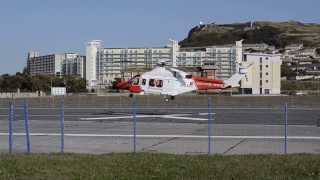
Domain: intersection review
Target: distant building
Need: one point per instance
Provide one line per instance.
(309, 52)
(56, 64)
(261, 47)
(221, 59)
(106, 64)
(264, 74)
(74, 65)
(294, 47)
(111, 63)
(91, 62)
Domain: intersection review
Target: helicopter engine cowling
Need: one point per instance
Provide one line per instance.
(207, 84)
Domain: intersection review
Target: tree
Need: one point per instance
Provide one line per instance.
(75, 84)
(286, 71)
(27, 83)
(318, 51)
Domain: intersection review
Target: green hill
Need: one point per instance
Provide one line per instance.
(278, 34)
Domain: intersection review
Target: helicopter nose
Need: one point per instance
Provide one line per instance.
(135, 89)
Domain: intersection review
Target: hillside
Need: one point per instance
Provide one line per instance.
(278, 34)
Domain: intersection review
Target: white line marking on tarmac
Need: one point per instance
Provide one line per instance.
(40, 115)
(184, 118)
(171, 116)
(168, 136)
(172, 108)
(205, 114)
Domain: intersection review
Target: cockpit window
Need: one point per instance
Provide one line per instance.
(144, 81)
(151, 83)
(136, 81)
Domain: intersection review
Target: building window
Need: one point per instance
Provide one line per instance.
(267, 66)
(260, 82)
(267, 81)
(267, 73)
(260, 59)
(267, 91)
(245, 58)
(267, 58)
(260, 75)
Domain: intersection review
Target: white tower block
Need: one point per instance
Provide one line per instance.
(91, 62)
(175, 49)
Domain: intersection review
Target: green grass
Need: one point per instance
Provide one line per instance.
(159, 166)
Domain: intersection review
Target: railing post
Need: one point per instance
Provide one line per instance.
(11, 111)
(209, 125)
(62, 125)
(26, 125)
(286, 129)
(134, 113)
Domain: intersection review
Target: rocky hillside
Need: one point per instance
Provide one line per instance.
(278, 34)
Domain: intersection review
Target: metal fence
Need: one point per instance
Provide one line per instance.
(200, 128)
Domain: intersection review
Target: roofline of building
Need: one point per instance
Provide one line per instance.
(163, 47)
(261, 54)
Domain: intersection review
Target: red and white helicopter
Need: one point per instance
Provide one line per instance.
(171, 82)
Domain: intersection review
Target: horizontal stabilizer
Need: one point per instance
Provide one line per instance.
(234, 80)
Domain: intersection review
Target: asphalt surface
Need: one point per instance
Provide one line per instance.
(100, 126)
(221, 115)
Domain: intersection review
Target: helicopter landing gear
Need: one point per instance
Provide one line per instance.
(166, 98)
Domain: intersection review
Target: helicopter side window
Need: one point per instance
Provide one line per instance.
(159, 83)
(151, 82)
(144, 81)
(174, 74)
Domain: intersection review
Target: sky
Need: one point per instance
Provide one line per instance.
(58, 26)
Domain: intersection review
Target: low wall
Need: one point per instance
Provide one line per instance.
(20, 95)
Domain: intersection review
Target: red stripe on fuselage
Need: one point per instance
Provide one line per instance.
(215, 81)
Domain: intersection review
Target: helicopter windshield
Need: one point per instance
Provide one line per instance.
(134, 80)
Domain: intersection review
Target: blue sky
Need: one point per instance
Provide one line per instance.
(52, 26)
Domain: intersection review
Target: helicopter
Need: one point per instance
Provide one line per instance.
(170, 81)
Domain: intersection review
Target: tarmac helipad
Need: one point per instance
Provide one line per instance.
(177, 128)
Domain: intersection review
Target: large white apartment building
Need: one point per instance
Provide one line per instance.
(106, 64)
(56, 64)
(263, 75)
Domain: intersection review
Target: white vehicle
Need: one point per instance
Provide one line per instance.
(169, 81)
